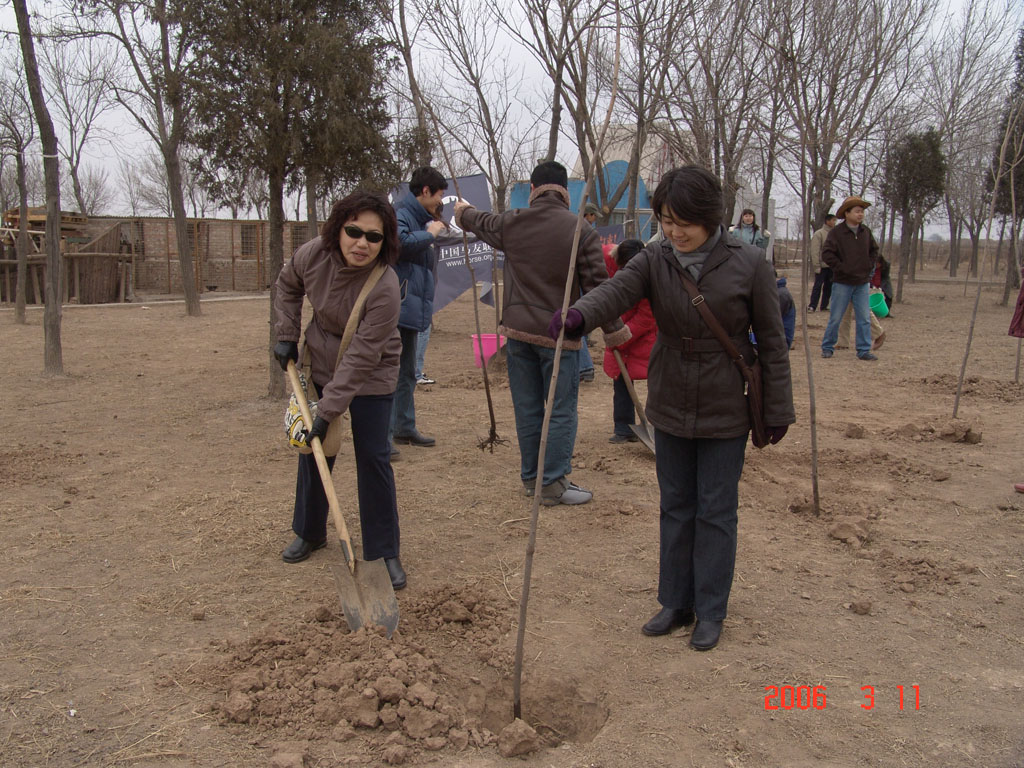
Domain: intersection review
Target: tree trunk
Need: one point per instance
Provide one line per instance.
(275, 258)
(76, 186)
(556, 111)
(311, 200)
(904, 257)
(53, 363)
(188, 278)
(913, 251)
(954, 239)
(23, 242)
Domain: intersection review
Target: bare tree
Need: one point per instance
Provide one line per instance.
(398, 21)
(53, 362)
(16, 135)
(78, 78)
(717, 87)
(476, 95)
(846, 71)
(156, 44)
(556, 35)
(963, 75)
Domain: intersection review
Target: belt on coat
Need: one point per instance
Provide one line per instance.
(690, 345)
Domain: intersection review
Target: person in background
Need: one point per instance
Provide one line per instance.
(880, 280)
(635, 352)
(747, 231)
(696, 396)
(586, 361)
(330, 271)
(851, 251)
(787, 308)
(537, 242)
(418, 228)
(421, 353)
(822, 272)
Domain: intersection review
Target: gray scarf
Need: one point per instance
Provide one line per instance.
(694, 262)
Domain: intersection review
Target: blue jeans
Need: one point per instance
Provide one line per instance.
(586, 362)
(529, 377)
(421, 350)
(403, 417)
(699, 483)
(623, 411)
(843, 295)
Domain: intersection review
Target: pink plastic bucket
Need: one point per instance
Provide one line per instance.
(489, 342)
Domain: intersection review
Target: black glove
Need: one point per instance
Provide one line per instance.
(776, 433)
(285, 351)
(320, 425)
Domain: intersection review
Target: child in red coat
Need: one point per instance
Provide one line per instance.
(635, 353)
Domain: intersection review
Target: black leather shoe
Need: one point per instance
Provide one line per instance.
(415, 438)
(705, 635)
(396, 572)
(665, 620)
(300, 549)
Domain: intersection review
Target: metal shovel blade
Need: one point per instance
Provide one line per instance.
(367, 597)
(640, 430)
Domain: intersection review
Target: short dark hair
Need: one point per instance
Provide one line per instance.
(549, 172)
(351, 206)
(691, 194)
(427, 176)
(829, 216)
(626, 250)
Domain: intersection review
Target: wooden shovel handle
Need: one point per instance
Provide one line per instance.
(325, 471)
(629, 386)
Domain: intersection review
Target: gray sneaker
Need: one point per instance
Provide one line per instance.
(572, 494)
(529, 488)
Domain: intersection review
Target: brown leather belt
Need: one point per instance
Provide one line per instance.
(689, 345)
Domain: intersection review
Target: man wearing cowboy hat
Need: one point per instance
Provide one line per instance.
(851, 251)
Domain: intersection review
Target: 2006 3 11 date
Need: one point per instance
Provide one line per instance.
(807, 697)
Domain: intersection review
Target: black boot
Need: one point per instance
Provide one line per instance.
(300, 549)
(396, 572)
(665, 620)
(705, 635)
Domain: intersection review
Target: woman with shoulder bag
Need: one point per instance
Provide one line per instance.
(696, 399)
(358, 243)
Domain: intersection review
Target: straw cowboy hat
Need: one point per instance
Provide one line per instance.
(848, 203)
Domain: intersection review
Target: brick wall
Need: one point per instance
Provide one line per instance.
(231, 255)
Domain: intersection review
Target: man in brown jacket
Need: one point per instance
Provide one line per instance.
(851, 251)
(537, 242)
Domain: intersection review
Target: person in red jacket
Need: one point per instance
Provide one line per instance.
(635, 352)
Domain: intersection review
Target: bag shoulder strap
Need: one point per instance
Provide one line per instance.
(697, 300)
(356, 315)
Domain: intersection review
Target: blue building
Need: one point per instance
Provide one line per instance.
(614, 173)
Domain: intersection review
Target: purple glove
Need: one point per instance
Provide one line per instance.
(776, 433)
(573, 324)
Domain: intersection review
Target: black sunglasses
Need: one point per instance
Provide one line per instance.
(355, 233)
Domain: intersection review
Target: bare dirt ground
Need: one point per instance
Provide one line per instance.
(146, 618)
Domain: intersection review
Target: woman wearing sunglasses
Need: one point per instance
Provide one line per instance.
(359, 237)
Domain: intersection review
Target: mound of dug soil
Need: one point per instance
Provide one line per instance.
(310, 685)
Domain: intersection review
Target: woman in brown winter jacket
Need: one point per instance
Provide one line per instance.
(330, 271)
(696, 400)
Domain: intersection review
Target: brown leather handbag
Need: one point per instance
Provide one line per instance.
(751, 373)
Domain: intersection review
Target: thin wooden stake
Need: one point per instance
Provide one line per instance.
(531, 546)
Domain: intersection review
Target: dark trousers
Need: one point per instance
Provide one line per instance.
(403, 418)
(623, 411)
(375, 481)
(822, 286)
(699, 484)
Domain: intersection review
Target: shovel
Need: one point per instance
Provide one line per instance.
(367, 596)
(641, 430)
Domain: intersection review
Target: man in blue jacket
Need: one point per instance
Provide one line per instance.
(418, 226)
